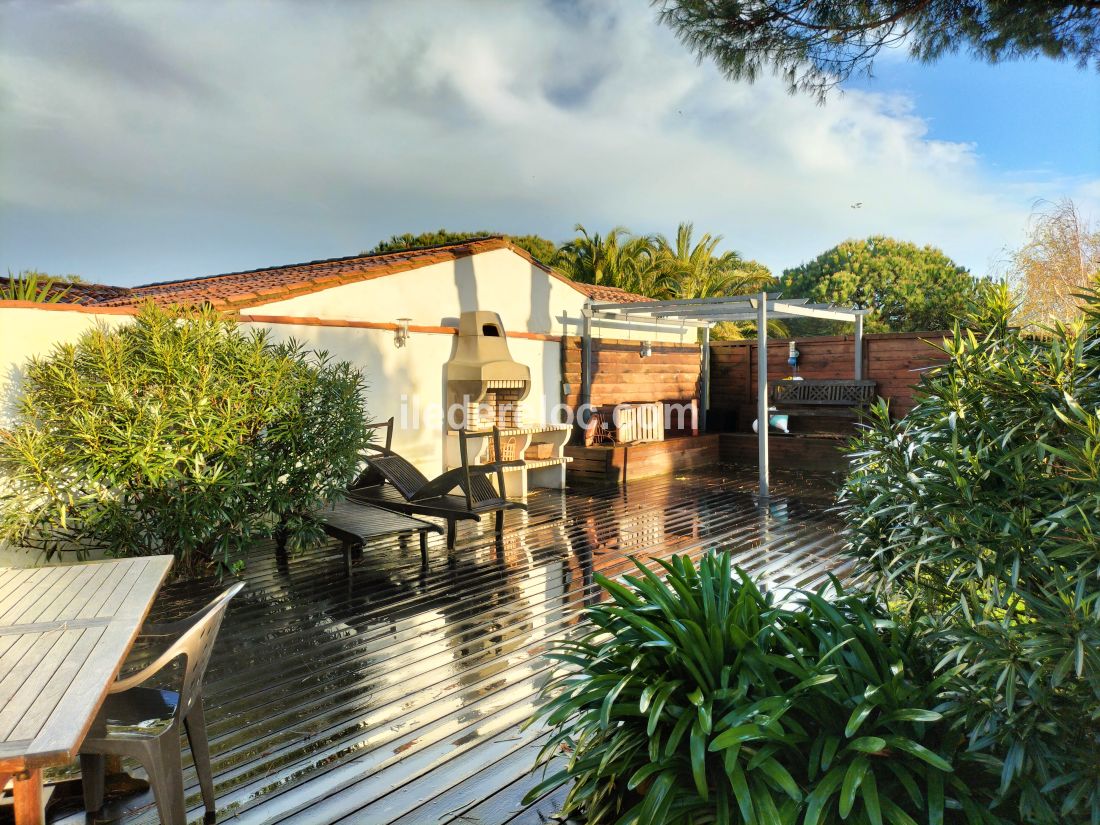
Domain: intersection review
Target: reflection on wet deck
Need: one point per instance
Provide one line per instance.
(397, 696)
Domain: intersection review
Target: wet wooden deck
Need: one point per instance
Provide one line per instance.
(397, 696)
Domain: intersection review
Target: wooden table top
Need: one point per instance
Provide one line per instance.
(64, 633)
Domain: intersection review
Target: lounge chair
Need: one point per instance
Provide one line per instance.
(392, 482)
(353, 523)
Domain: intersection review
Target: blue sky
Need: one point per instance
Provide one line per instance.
(149, 141)
(1041, 114)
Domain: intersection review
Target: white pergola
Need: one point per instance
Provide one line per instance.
(703, 313)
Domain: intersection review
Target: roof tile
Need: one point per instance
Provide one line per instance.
(259, 286)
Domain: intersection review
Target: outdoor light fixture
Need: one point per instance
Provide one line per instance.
(401, 332)
(646, 349)
(792, 354)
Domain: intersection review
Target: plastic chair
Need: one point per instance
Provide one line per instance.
(143, 723)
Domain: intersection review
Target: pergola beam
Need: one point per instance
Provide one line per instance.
(647, 324)
(731, 310)
(642, 306)
(704, 312)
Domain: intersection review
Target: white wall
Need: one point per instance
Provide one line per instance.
(527, 298)
(401, 381)
(27, 332)
(407, 383)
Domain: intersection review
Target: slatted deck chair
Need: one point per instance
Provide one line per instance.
(391, 481)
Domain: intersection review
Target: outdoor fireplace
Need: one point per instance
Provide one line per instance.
(484, 385)
(486, 389)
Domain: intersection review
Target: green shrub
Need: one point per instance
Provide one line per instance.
(698, 698)
(176, 433)
(980, 510)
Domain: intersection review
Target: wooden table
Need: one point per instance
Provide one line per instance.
(64, 633)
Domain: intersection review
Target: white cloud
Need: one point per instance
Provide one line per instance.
(165, 140)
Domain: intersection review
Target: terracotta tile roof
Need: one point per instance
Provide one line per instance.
(609, 294)
(84, 294)
(240, 290)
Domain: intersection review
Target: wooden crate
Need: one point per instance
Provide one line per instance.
(639, 423)
(538, 451)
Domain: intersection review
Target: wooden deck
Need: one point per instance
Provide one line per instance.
(397, 696)
(618, 463)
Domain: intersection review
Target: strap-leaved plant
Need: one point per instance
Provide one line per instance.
(696, 697)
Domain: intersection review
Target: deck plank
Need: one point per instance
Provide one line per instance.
(397, 697)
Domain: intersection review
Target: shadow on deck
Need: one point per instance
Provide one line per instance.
(397, 696)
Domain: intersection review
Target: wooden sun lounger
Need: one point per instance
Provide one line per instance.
(353, 523)
(393, 482)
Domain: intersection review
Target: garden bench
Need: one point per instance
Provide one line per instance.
(832, 403)
(827, 397)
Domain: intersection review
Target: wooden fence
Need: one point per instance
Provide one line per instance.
(620, 375)
(671, 374)
(893, 360)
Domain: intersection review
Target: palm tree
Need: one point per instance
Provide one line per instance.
(696, 271)
(690, 270)
(617, 259)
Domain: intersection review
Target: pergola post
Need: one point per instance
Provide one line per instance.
(586, 360)
(762, 418)
(859, 348)
(704, 382)
(705, 312)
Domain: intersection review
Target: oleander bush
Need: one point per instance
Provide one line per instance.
(177, 433)
(980, 512)
(698, 698)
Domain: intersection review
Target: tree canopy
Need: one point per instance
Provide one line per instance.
(815, 45)
(659, 268)
(619, 259)
(540, 247)
(1059, 260)
(908, 287)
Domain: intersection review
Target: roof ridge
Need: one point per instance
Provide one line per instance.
(232, 291)
(322, 261)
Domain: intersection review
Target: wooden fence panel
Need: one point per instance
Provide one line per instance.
(621, 375)
(894, 360)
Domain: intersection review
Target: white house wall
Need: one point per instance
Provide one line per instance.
(406, 382)
(28, 332)
(527, 298)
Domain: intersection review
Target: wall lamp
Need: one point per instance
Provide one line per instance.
(401, 332)
(646, 349)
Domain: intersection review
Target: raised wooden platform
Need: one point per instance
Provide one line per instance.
(798, 452)
(396, 697)
(617, 463)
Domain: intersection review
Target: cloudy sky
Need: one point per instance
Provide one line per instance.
(143, 141)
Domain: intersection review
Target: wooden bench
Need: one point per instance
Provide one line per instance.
(824, 398)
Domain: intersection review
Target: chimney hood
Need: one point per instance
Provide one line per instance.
(482, 363)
